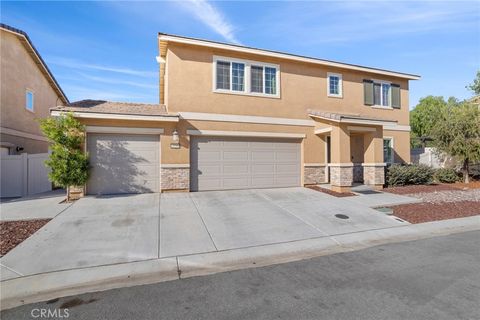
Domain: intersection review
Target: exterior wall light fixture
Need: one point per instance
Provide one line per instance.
(176, 140)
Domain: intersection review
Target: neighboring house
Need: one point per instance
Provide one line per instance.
(234, 117)
(28, 90)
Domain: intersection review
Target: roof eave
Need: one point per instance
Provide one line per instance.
(23, 36)
(165, 38)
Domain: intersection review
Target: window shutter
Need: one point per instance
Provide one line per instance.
(368, 92)
(395, 96)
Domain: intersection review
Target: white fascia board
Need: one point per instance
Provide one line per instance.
(245, 119)
(126, 130)
(367, 121)
(397, 127)
(323, 130)
(92, 115)
(280, 55)
(314, 164)
(374, 164)
(361, 129)
(245, 134)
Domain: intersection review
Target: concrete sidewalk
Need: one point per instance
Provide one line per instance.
(44, 205)
(51, 285)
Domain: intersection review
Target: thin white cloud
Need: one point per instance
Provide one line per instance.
(118, 81)
(76, 93)
(75, 64)
(212, 17)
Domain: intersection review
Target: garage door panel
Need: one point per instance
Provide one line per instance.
(287, 168)
(206, 155)
(123, 163)
(263, 168)
(210, 184)
(235, 182)
(265, 155)
(229, 155)
(210, 170)
(242, 163)
(235, 168)
(263, 181)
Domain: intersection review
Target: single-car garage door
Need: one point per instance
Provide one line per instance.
(219, 163)
(122, 163)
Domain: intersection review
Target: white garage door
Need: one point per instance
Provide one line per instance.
(231, 163)
(123, 163)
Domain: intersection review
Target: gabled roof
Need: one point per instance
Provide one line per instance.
(37, 58)
(164, 38)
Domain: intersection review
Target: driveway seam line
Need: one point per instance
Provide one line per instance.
(203, 221)
(292, 214)
(159, 225)
(10, 269)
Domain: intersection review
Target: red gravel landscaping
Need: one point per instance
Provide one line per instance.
(331, 192)
(424, 212)
(12, 233)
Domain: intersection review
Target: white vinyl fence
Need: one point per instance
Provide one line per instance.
(23, 175)
(427, 156)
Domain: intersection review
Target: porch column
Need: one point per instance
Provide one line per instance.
(373, 166)
(341, 166)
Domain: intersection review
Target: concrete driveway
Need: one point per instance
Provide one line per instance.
(97, 231)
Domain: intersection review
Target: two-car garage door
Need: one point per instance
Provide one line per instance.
(219, 163)
(123, 163)
(130, 163)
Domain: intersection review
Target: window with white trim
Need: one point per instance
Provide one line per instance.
(334, 85)
(382, 94)
(388, 150)
(245, 77)
(29, 97)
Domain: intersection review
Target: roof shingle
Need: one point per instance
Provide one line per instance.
(110, 107)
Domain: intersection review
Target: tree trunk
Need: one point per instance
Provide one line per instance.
(466, 177)
(68, 194)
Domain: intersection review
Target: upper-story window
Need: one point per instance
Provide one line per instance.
(381, 94)
(246, 77)
(334, 85)
(29, 100)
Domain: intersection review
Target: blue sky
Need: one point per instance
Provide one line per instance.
(106, 50)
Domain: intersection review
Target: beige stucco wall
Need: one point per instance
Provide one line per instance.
(19, 73)
(401, 145)
(313, 145)
(303, 86)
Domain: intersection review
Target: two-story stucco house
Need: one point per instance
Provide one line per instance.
(28, 91)
(234, 117)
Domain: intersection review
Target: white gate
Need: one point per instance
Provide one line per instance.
(24, 174)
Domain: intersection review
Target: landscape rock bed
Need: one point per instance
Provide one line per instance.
(12, 233)
(424, 212)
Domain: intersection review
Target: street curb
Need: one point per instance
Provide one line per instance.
(41, 287)
(215, 262)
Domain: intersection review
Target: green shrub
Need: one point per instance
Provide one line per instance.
(446, 175)
(400, 175)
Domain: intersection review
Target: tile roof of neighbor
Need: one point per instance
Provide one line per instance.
(111, 107)
(37, 55)
(339, 116)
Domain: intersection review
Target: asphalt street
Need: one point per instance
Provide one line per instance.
(437, 278)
